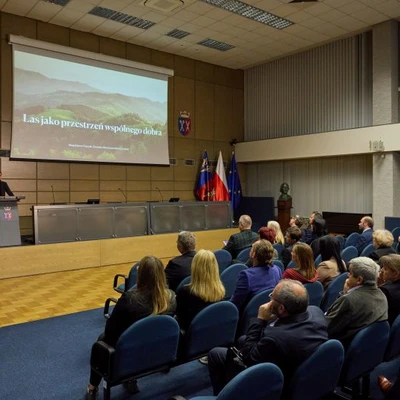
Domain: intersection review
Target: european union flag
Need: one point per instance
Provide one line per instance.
(204, 189)
(234, 186)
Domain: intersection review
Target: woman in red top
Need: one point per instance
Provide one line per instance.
(305, 270)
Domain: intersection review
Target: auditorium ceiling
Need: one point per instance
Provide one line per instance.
(188, 27)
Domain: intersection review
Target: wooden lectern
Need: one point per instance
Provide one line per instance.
(9, 222)
(284, 207)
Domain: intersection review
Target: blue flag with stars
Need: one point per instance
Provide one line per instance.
(234, 186)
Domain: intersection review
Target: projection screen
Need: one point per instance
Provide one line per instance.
(73, 108)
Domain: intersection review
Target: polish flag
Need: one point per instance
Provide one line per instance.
(220, 184)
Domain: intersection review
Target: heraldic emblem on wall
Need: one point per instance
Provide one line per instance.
(184, 123)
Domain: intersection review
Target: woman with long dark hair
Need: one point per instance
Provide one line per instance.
(304, 271)
(331, 264)
(150, 297)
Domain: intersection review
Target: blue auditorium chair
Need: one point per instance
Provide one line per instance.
(244, 255)
(393, 347)
(365, 352)
(279, 248)
(396, 234)
(149, 345)
(251, 310)
(229, 278)
(292, 264)
(129, 280)
(333, 290)
(348, 254)
(183, 282)
(341, 241)
(351, 240)
(279, 264)
(260, 382)
(224, 259)
(367, 250)
(317, 260)
(214, 326)
(315, 291)
(318, 376)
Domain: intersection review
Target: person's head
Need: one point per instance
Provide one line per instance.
(284, 188)
(262, 252)
(362, 271)
(279, 238)
(329, 248)
(293, 235)
(186, 242)
(296, 221)
(267, 234)
(245, 222)
(289, 297)
(319, 227)
(382, 238)
(390, 266)
(151, 279)
(366, 222)
(205, 281)
(303, 256)
(314, 215)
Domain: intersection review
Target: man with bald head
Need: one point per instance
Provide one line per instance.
(286, 332)
(245, 238)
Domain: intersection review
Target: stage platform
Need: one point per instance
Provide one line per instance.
(46, 258)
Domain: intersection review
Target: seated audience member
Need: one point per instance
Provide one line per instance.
(331, 264)
(286, 332)
(304, 271)
(292, 236)
(382, 240)
(278, 232)
(204, 289)
(245, 238)
(391, 390)
(179, 267)
(150, 297)
(261, 276)
(361, 304)
(390, 277)
(319, 229)
(308, 233)
(266, 234)
(366, 224)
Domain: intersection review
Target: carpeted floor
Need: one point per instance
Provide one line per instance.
(49, 359)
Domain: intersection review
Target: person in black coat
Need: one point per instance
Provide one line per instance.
(286, 332)
(389, 278)
(4, 188)
(382, 239)
(179, 267)
(150, 297)
(204, 289)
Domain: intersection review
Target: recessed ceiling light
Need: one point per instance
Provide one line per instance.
(215, 44)
(253, 13)
(58, 2)
(177, 34)
(117, 16)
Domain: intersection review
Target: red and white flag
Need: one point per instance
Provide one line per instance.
(220, 184)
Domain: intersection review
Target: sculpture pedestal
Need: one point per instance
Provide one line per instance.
(284, 207)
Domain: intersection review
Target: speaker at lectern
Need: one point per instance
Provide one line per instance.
(9, 221)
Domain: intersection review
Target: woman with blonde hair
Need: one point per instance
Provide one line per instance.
(390, 276)
(279, 238)
(305, 270)
(382, 240)
(204, 289)
(150, 297)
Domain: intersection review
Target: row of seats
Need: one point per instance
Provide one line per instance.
(326, 370)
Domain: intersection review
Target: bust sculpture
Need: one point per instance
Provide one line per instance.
(284, 189)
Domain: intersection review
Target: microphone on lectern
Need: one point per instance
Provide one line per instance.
(54, 197)
(126, 198)
(159, 191)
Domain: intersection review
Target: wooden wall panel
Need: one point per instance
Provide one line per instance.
(53, 33)
(205, 111)
(5, 135)
(85, 171)
(112, 47)
(137, 172)
(49, 170)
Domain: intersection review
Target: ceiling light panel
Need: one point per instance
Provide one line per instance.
(250, 12)
(58, 2)
(177, 34)
(121, 17)
(215, 44)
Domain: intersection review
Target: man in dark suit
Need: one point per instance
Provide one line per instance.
(361, 303)
(4, 188)
(286, 332)
(179, 267)
(245, 238)
(366, 224)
